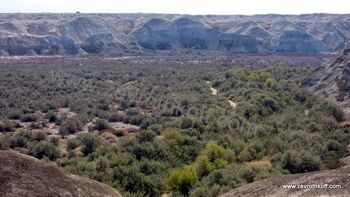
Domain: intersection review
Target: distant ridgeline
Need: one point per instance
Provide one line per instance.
(78, 34)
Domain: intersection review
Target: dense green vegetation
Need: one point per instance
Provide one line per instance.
(190, 143)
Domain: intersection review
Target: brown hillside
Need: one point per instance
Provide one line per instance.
(22, 175)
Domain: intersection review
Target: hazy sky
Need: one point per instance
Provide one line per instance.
(179, 6)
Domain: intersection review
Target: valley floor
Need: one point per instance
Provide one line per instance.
(181, 124)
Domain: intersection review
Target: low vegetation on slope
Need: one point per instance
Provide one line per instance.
(189, 142)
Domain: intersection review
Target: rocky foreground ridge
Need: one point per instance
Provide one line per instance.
(331, 182)
(274, 187)
(77, 34)
(22, 175)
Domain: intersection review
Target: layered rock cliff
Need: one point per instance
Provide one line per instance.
(74, 34)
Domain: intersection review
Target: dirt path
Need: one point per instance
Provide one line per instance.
(233, 104)
(216, 93)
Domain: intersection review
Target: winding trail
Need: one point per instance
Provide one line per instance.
(216, 93)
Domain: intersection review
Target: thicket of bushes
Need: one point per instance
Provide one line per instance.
(191, 143)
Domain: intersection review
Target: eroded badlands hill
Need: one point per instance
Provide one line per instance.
(332, 81)
(72, 34)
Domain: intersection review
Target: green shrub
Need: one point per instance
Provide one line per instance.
(37, 125)
(5, 126)
(297, 162)
(102, 164)
(44, 149)
(213, 151)
(271, 82)
(146, 136)
(101, 124)
(3, 144)
(89, 143)
(181, 179)
(73, 143)
(70, 126)
(28, 118)
(54, 140)
(51, 117)
(15, 115)
(39, 136)
(72, 154)
(337, 112)
(211, 158)
(186, 123)
(18, 141)
(116, 117)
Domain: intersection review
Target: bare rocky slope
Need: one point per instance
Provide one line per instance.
(274, 187)
(74, 34)
(328, 181)
(332, 81)
(22, 175)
